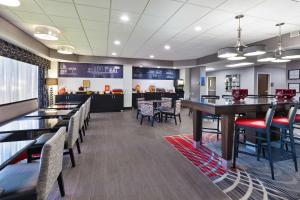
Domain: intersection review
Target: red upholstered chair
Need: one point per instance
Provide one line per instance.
(286, 125)
(260, 126)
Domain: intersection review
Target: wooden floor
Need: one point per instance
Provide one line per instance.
(122, 160)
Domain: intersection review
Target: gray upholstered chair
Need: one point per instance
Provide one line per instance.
(166, 102)
(34, 181)
(172, 112)
(72, 137)
(147, 110)
(82, 119)
(86, 114)
(139, 102)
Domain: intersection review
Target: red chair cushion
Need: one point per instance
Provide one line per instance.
(297, 118)
(280, 120)
(251, 123)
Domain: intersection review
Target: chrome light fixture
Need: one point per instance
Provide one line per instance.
(46, 33)
(240, 50)
(291, 54)
(65, 49)
(268, 57)
(11, 3)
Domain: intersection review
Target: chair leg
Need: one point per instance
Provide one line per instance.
(175, 119)
(270, 154)
(291, 134)
(29, 157)
(235, 149)
(142, 117)
(259, 146)
(61, 186)
(80, 135)
(179, 117)
(83, 130)
(152, 121)
(78, 146)
(71, 152)
(137, 113)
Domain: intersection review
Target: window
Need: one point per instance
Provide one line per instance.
(18, 80)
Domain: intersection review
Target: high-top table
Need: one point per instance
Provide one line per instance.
(227, 109)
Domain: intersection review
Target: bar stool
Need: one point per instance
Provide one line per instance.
(286, 125)
(260, 126)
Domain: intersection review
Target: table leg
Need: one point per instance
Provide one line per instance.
(227, 129)
(197, 128)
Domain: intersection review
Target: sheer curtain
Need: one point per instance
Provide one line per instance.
(18, 80)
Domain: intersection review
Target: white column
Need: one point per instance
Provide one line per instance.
(127, 85)
(203, 90)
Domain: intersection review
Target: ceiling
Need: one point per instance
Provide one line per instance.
(91, 26)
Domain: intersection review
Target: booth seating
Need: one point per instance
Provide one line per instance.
(34, 181)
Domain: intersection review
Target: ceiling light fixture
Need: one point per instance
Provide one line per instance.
(279, 60)
(11, 3)
(46, 33)
(117, 42)
(124, 18)
(113, 53)
(237, 58)
(198, 28)
(174, 67)
(240, 48)
(268, 57)
(241, 64)
(151, 56)
(65, 49)
(291, 54)
(158, 67)
(167, 47)
(208, 69)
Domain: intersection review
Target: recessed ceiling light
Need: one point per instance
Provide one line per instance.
(151, 56)
(124, 18)
(209, 69)
(158, 67)
(46, 33)
(198, 28)
(242, 64)
(141, 66)
(113, 53)
(174, 67)
(65, 49)
(167, 47)
(11, 3)
(237, 58)
(117, 42)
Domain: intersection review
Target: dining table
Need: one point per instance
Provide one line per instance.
(69, 103)
(11, 150)
(50, 113)
(63, 107)
(227, 109)
(32, 127)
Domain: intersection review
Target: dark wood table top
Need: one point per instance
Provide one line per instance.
(62, 107)
(10, 150)
(29, 124)
(224, 105)
(49, 113)
(69, 103)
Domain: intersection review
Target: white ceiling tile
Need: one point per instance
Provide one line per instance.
(33, 18)
(97, 3)
(115, 17)
(65, 22)
(93, 13)
(136, 6)
(28, 6)
(95, 26)
(238, 6)
(58, 8)
(207, 3)
(162, 8)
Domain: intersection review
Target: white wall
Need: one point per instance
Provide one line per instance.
(277, 74)
(246, 79)
(145, 83)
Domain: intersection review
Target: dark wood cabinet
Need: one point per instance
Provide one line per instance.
(99, 103)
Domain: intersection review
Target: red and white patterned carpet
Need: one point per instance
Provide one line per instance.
(236, 183)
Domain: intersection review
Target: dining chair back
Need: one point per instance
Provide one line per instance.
(270, 114)
(166, 102)
(51, 164)
(82, 116)
(147, 108)
(177, 107)
(73, 130)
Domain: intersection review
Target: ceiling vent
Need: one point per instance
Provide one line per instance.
(294, 34)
